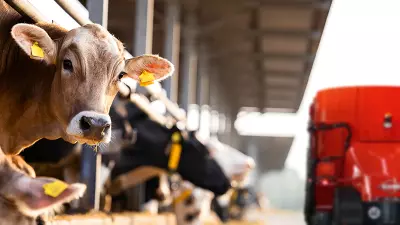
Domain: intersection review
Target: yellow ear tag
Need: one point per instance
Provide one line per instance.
(176, 150)
(146, 78)
(37, 51)
(176, 137)
(55, 188)
(183, 196)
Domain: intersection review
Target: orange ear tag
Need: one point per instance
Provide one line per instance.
(37, 51)
(146, 78)
(55, 188)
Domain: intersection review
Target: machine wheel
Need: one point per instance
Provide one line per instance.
(309, 203)
(321, 218)
(347, 207)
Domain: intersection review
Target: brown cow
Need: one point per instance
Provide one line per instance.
(66, 93)
(22, 196)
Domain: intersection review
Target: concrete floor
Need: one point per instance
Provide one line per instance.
(273, 217)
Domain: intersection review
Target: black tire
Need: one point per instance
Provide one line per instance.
(321, 218)
(347, 207)
(309, 203)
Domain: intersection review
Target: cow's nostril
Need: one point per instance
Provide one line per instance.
(85, 123)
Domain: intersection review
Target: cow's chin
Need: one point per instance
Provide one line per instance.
(90, 141)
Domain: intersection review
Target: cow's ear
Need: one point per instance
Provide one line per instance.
(159, 67)
(35, 42)
(35, 196)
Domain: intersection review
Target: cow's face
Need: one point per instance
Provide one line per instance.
(89, 66)
(198, 167)
(22, 196)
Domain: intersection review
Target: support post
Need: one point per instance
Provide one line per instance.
(143, 40)
(203, 92)
(90, 160)
(253, 151)
(234, 135)
(172, 45)
(98, 11)
(189, 62)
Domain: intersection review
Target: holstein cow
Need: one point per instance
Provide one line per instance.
(193, 204)
(22, 198)
(236, 166)
(152, 149)
(58, 83)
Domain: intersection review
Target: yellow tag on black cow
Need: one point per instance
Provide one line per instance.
(37, 51)
(55, 188)
(183, 196)
(176, 137)
(146, 78)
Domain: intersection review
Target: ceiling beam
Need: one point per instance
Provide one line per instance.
(262, 56)
(258, 63)
(233, 70)
(246, 32)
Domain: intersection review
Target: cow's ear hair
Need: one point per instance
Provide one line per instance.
(30, 197)
(161, 68)
(27, 35)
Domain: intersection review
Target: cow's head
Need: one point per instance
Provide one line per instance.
(89, 65)
(22, 197)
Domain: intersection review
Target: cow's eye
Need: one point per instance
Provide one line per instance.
(67, 65)
(121, 75)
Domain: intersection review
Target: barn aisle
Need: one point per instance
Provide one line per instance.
(277, 217)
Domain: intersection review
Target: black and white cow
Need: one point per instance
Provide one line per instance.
(152, 149)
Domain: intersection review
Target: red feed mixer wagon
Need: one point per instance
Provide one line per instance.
(353, 164)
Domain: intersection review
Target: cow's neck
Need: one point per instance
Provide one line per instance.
(29, 123)
(25, 87)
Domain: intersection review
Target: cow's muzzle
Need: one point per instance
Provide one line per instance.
(90, 127)
(95, 128)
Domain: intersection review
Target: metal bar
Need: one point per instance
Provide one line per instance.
(90, 175)
(203, 77)
(189, 64)
(70, 8)
(203, 86)
(25, 8)
(144, 27)
(143, 40)
(98, 11)
(172, 44)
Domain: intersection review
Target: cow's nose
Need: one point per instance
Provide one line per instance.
(94, 127)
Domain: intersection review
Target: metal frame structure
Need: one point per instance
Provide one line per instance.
(228, 53)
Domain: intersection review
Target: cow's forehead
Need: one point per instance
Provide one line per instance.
(94, 38)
